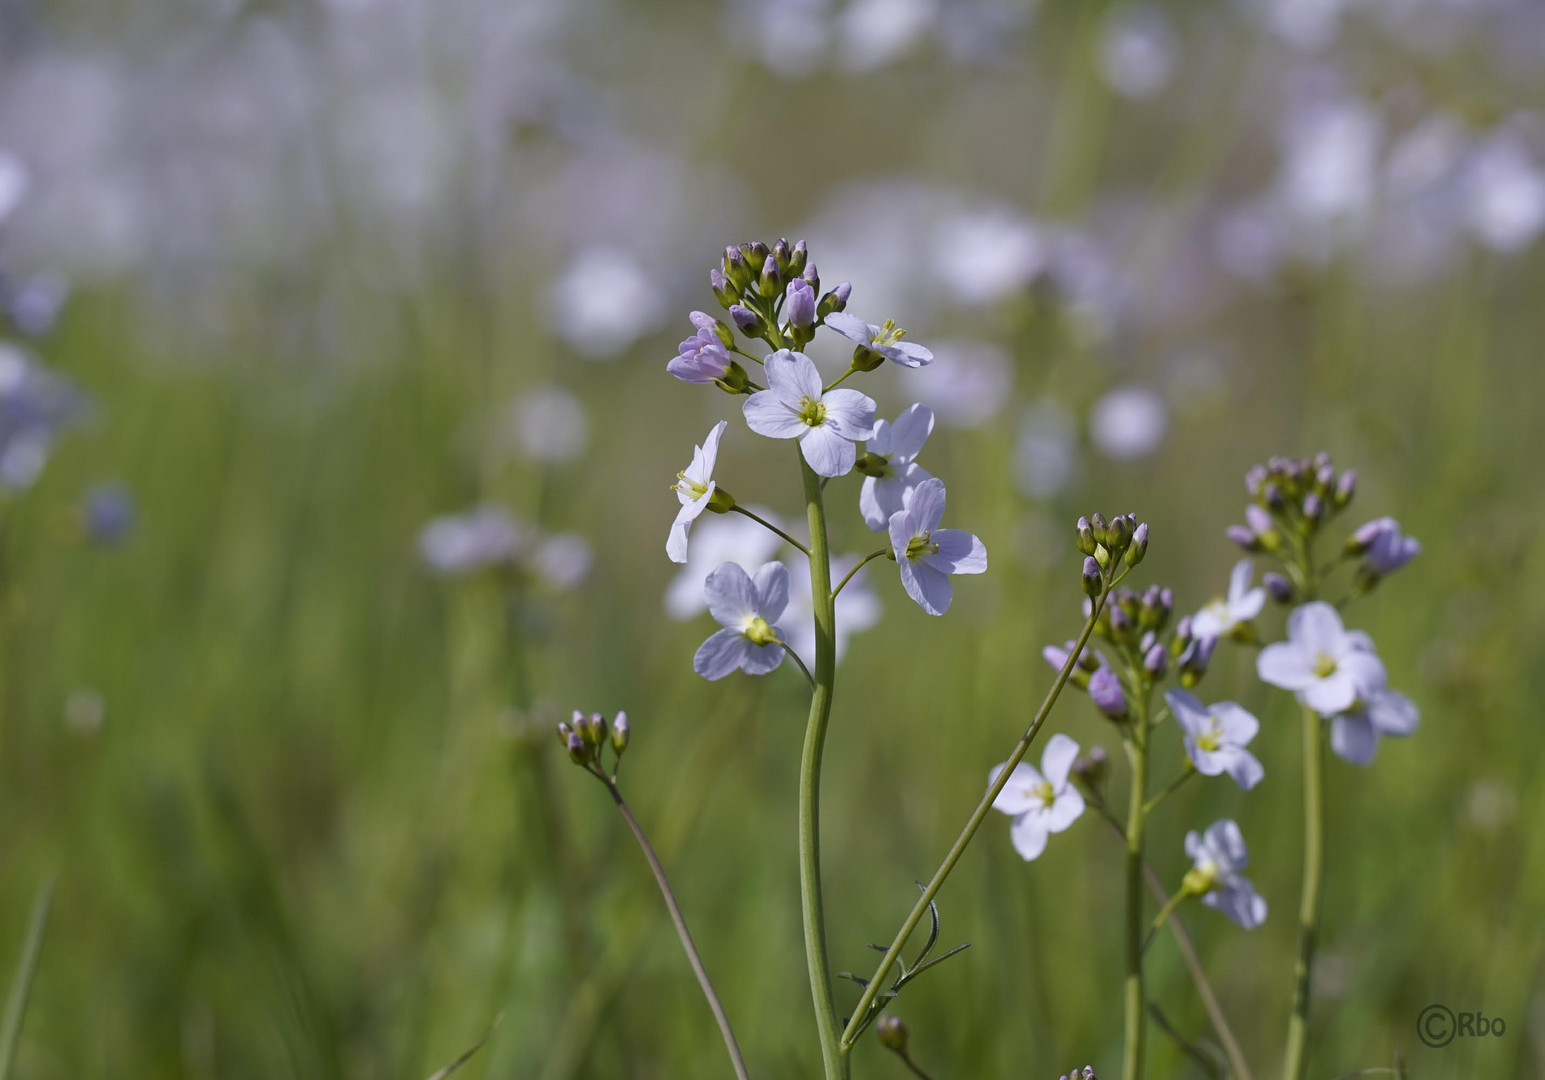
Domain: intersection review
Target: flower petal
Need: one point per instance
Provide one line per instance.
(1057, 759)
(930, 588)
(730, 595)
(910, 432)
(723, 652)
(1331, 695)
(1028, 837)
(1353, 738)
(767, 414)
(907, 354)
(710, 454)
(1067, 808)
(849, 413)
(1238, 725)
(1393, 713)
(1239, 580)
(959, 552)
(760, 659)
(1188, 711)
(849, 326)
(1226, 844)
(1240, 902)
(880, 441)
(1316, 627)
(828, 453)
(1287, 665)
(1017, 795)
(1207, 762)
(1244, 767)
(792, 376)
(878, 498)
(772, 590)
(676, 542)
(926, 504)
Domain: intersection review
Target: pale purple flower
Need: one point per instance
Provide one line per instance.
(1327, 666)
(701, 358)
(885, 340)
(1219, 855)
(457, 544)
(927, 554)
(982, 257)
(563, 559)
(1138, 50)
(887, 484)
(1129, 423)
(1221, 616)
(1388, 549)
(694, 487)
(967, 384)
(547, 424)
(1505, 194)
(1106, 692)
(1041, 802)
(604, 301)
(717, 539)
(1355, 734)
(1216, 737)
(799, 304)
(794, 406)
(35, 405)
(748, 610)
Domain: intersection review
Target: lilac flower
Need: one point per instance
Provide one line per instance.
(1219, 855)
(563, 560)
(1354, 735)
(1129, 423)
(799, 304)
(716, 539)
(695, 488)
(486, 536)
(1221, 616)
(1386, 548)
(794, 406)
(885, 340)
(891, 478)
(1040, 802)
(701, 359)
(547, 424)
(1328, 666)
(1106, 692)
(927, 554)
(747, 608)
(604, 301)
(1216, 737)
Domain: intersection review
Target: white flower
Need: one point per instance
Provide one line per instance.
(794, 406)
(1220, 855)
(718, 539)
(1216, 737)
(927, 554)
(486, 536)
(1241, 605)
(1129, 423)
(604, 301)
(748, 609)
(1041, 803)
(890, 481)
(547, 423)
(694, 487)
(885, 340)
(858, 609)
(1354, 735)
(1328, 666)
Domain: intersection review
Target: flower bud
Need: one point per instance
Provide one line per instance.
(1139, 545)
(1242, 536)
(771, 281)
(594, 731)
(723, 289)
(1314, 508)
(620, 734)
(1092, 768)
(579, 753)
(1255, 480)
(1085, 533)
(1106, 693)
(1345, 487)
(737, 269)
(1091, 574)
(734, 380)
(1120, 624)
(800, 258)
(1120, 532)
(1271, 496)
(1259, 520)
(783, 254)
(1101, 529)
(1183, 631)
(1156, 662)
(1277, 587)
(1363, 537)
(704, 321)
(892, 1033)
(799, 304)
(812, 275)
(750, 322)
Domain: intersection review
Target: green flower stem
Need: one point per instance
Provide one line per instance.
(769, 526)
(794, 656)
(833, 1054)
(1295, 1061)
(1135, 1000)
(1163, 916)
(1175, 785)
(867, 559)
(680, 921)
(877, 981)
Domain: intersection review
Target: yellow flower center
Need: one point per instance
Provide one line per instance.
(695, 489)
(1324, 666)
(1046, 793)
(759, 632)
(812, 412)
(1213, 737)
(921, 545)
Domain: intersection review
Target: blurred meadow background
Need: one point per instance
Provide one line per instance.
(335, 441)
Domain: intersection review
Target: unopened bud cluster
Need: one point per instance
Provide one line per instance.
(1107, 545)
(763, 288)
(586, 738)
(1086, 1073)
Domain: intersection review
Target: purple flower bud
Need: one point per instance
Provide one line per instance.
(1390, 550)
(578, 754)
(1147, 641)
(1155, 662)
(1091, 575)
(1167, 600)
(1055, 657)
(1120, 623)
(1314, 507)
(1271, 494)
(701, 359)
(702, 320)
(1183, 630)
(1084, 533)
(1138, 547)
(1259, 520)
(748, 321)
(799, 304)
(772, 278)
(620, 733)
(1278, 587)
(1106, 693)
(1364, 536)
(1345, 487)
(1255, 479)
(836, 300)
(1242, 536)
(723, 291)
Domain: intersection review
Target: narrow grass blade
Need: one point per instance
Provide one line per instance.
(21, 982)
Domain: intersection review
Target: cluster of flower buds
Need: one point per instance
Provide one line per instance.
(1291, 495)
(1106, 545)
(587, 737)
(764, 287)
(1086, 1073)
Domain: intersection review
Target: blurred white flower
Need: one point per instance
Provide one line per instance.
(465, 543)
(1138, 50)
(14, 180)
(789, 36)
(1046, 455)
(1329, 163)
(985, 256)
(604, 301)
(967, 384)
(873, 33)
(718, 539)
(1129, 422)
(547, 423)
(858, 608)
(564, 560)
(1504, 191)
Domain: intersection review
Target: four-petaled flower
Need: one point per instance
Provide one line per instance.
(885, 340)
(890, 465)
(927, 554)
(1216, 737)
(1241, 605)
(695, 487)
(1219, 855)
(1354, 735)
(1041, 803)
(1328, 666)
(794, 406)
(701, 358)
(748, 609)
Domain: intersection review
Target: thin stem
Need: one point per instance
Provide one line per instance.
(840, 379)
(812, 904)
(1190, 1048)
(794, 656)
(21, 983)
(681, 927)
(912, 1066)
(1163, 916)
(741, 510)
(738, 351)
(863, 563)
(1295, 1061)
(1174, 786)
(1136, 1012)
(958, 848)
